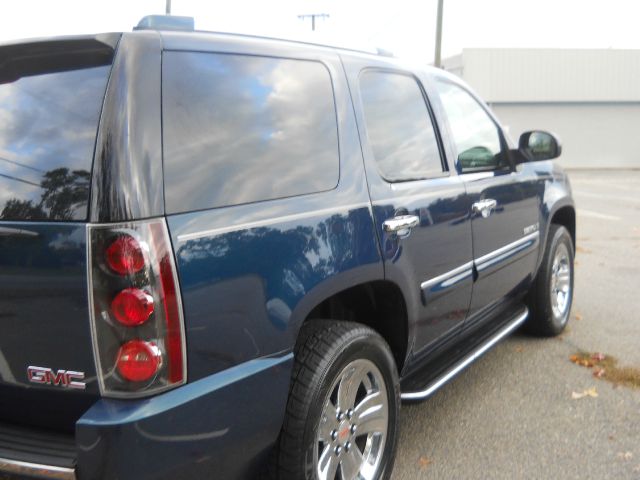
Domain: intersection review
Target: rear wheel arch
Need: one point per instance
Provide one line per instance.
(378, 304)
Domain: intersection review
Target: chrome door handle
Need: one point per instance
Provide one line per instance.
(401, 225)
(484, 207)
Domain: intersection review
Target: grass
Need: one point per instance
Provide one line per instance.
(606, 367)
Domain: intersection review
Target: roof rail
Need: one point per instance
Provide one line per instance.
(166, 22)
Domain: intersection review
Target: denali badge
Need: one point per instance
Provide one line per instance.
(61, 378)
(531, 228)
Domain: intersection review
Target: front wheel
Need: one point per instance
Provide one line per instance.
(341, 420)
(551, 295)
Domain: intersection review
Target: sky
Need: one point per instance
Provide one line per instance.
(404, 27)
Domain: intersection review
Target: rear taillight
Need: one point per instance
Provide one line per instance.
(124, 255)
(137, 325)
(139, 361)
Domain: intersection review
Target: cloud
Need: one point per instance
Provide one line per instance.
(47, 121)
(243, 129)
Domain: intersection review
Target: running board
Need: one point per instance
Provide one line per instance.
(467, 360)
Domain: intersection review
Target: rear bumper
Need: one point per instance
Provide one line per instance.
(31, 452)
(222, 426)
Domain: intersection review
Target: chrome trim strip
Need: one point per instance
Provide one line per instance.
(503, 252)
(16, 467)
(269, 221)
(468, 360)
(462, 272)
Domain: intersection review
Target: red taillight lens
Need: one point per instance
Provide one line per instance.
(138, 361)
(136, 316)
(132, 307)
(125, 256)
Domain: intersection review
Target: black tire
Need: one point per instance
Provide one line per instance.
(544, 319)
(323, 352)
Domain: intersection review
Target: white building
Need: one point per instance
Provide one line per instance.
(589, 98)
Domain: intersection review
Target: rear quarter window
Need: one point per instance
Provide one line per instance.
(240, 129)
(50, 103)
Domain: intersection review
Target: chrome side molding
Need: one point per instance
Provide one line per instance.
(463, 271)
(468, 360)
(449, 278)
(15, 467)
(507, 251)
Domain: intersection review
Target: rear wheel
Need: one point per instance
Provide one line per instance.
(341, 421)
(551, 295)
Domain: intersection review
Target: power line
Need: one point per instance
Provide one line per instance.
(312, 16)
(20, 180)
(21, 165)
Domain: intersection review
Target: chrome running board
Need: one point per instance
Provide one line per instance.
(36, 470)
(467, 360)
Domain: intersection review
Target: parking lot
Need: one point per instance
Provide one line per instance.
(514, 413)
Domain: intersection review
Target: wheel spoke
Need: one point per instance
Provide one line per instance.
(328, 423)
(370, 416)
(348, 387)
(350, 463)
(328, 464)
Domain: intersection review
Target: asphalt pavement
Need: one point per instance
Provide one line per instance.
(512, 414)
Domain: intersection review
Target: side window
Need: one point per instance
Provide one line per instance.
(240, 129)
(474, 132)
(399, 126)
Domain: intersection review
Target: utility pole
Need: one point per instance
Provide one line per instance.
(313, 18)
(168, 7)
(438, 59)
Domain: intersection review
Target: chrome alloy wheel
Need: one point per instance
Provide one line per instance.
(353, 425)
(561, 282)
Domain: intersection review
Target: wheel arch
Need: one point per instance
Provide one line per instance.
(566, 216)
(379, 304)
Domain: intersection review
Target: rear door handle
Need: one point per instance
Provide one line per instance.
(484, 207)
(401, 225)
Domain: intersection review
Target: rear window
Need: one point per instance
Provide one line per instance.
(240, 129)
(50, 101)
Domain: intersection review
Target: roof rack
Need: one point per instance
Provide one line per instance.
(166, 22)
(187, 24)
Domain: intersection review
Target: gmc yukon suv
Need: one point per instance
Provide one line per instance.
(224, 256)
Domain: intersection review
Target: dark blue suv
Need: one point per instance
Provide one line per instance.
(224, 256)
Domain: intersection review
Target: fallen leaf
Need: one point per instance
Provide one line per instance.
(590, 392)
(519, 349)
(598, 357)
(424, 462)
(578, 316)
(612, 438)
(598, 372)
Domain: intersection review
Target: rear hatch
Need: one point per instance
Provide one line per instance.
(51, 95)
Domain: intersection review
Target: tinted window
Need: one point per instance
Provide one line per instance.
(399, 127)
(240, 129)
(49, 110)
(474, 133)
